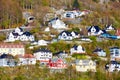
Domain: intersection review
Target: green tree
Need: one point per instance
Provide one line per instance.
(10, 13)
(76, 4)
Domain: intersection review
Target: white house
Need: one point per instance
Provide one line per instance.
(7, 62)
(43, 55)
(27, 59)
(75, 34)
(14, 35)
(61, 54)
(18, 34)
(47, 29)
(58, 24)
(12, 48)
(94, 30)
(115, 53)
(84, 12)
(109, 28)
(85, 65)
(77, 49)
(112, 66)
(18, 30)
(99, 52)
(27, 36)
(71, 14)
(40, 43)
(65, 35)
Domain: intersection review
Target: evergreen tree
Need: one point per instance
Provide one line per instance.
(76, 4)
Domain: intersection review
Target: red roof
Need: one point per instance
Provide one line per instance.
(28, 56)
(11, 45)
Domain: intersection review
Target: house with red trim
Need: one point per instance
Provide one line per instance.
(118, 32)
(57, 63)
(27, 59)
(12, 48)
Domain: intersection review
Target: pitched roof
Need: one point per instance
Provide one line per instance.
(60, 52)
(27, 33)
(113, 62)
(94, 27)
(42, 50)
(11, 45)
(21, 30)
(76, 47)
(85, 62)
(56, 59)
(109, 27)
(67, 32)
(54, 19)
(28, 56)
(6, 56)
(115, 47)
(15, 34)
(74, 32)
(98, 50)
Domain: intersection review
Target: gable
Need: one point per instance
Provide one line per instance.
(94, 29)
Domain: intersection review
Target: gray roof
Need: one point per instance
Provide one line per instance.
(55, 59)
(84, 62)
(43, 50)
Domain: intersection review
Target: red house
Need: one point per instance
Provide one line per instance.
(57, 63)
(118, 32)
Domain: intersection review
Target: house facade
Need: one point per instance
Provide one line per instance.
(7, 62)
(12, 48)
(57, 63)
(65, 35)
(94, 30)
(69, 14)
(118, 33)
(75, 34)
(115, 53)
(77, 49)
(43, 55)
(18, 34)
(112, 66)
(27, 59)
(85, 65)
(58, 24)
(109, 28)
(61, 54)
(99, 52)
(26, 36)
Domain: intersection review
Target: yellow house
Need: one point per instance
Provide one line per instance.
(85, 65)
(12, 48)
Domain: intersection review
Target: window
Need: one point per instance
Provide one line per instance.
(68, 15)
(111, 53)
(116, 53)
(90, 63)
